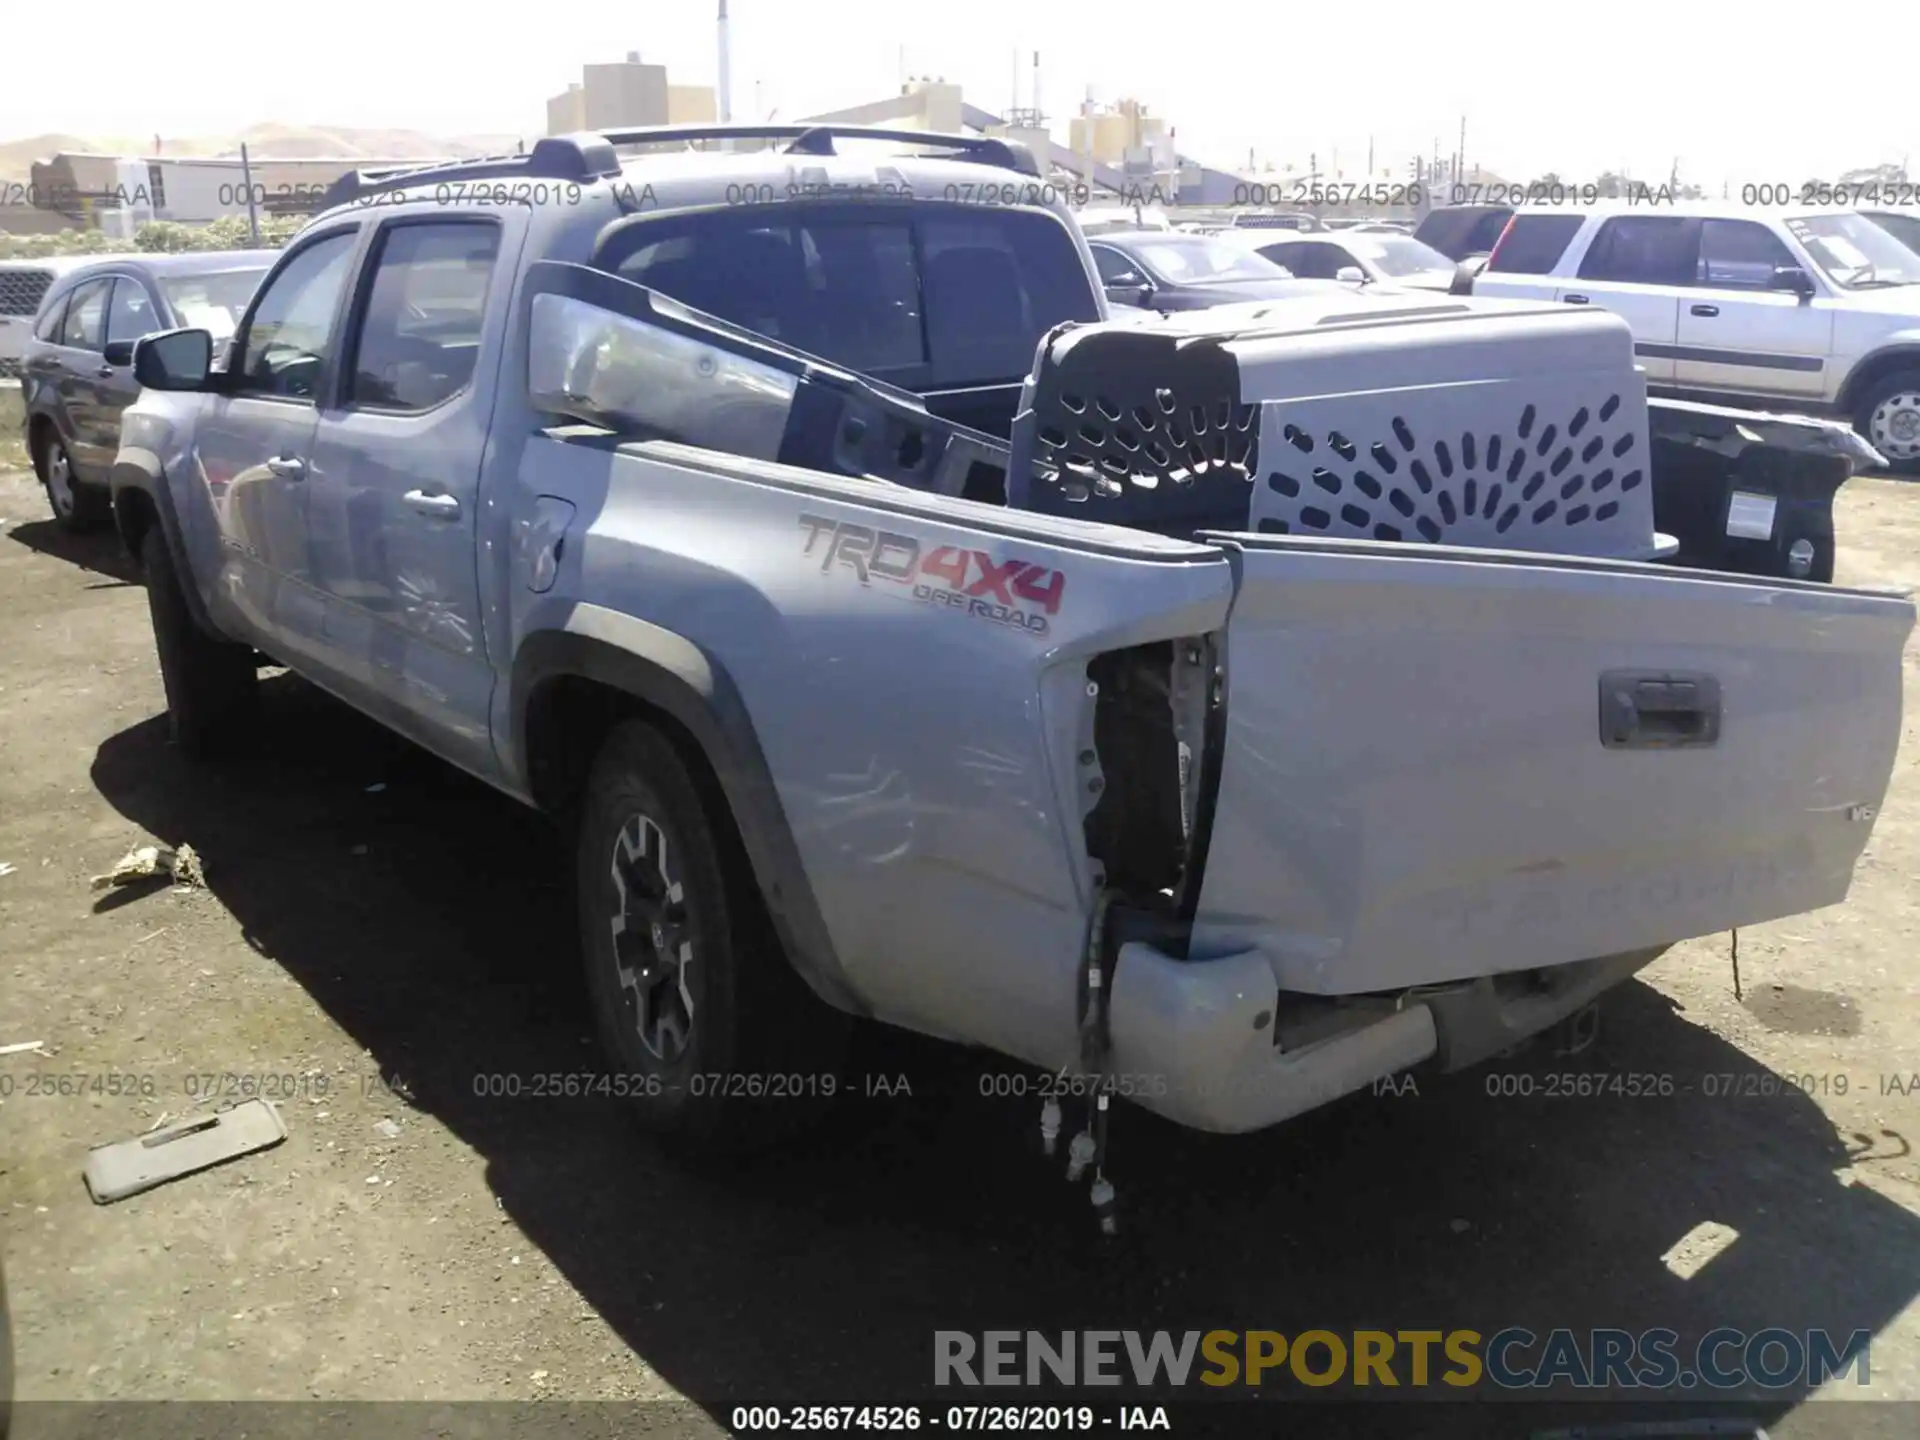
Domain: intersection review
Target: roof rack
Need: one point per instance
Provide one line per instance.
(577, 158)
(817, 139)
(589, 156)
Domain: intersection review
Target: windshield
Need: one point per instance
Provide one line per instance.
(1904, 228)
(213, 302)
(1195, 260)
(1396, 255)
(1856, 253)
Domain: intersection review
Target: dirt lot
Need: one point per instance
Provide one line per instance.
(384, 934)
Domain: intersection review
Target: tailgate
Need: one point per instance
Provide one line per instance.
(1426, 776)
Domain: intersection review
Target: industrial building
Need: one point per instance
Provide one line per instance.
(627, 93)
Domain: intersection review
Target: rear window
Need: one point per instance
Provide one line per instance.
(1534, 244)
(927, 297)
(1468, 230)
(1644, 250)
(21, 291)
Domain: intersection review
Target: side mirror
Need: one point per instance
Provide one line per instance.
(1131, 293)
(1351, 275)
(1464, 274)
(174, 360)
(119, 353)
(1792, 278)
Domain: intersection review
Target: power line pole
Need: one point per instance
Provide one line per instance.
(253, 214)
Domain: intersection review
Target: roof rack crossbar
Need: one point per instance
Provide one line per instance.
(816, 138)
(575, 158)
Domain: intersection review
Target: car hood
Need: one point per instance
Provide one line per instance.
(1226, 292)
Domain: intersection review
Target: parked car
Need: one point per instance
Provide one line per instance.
(1816, 311)
(23, 285)
(657, 518)
(77, 376)
(1188, 272)
(1356, 256)
(1903, 225)
(1460, 232)
(1100, 219)
(1275, 220)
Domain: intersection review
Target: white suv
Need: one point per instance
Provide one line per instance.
(1814, 310)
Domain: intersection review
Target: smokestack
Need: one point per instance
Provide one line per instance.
(725, 96)
(1039, 115)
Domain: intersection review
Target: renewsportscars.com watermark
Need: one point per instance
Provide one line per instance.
(1509, 1359)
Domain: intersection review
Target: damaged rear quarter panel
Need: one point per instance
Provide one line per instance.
(915, 672)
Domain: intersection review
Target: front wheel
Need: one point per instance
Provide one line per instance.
(1889, 417)
(710, 1036)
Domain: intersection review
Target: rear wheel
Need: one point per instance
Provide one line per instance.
(211, 683)
(77, 506)
(1890, 419)
(710, 1036)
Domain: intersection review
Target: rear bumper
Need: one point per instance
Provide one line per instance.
(1194, 1040)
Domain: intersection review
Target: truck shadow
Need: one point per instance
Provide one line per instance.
(447, 950)
(99, 551)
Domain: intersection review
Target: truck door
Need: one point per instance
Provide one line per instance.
(393, 503)
(253, 444)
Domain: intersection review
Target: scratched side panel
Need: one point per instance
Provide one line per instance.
(915, 671)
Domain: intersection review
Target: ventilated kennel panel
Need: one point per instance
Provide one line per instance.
(1513, 465)
(1390, 418)
(1138, 429)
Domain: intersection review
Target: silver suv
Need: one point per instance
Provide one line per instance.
(1814, 311)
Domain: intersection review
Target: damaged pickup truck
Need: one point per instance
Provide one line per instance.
(1234, 711)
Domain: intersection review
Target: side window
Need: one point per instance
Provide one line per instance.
(86, 311)
(52, 321)
(1112, 265)
(1643, 250)
(290, 333)
(1287, 257)
(420, 331)
(1740, 255)
(1534, 244)
(1322, 261)
(131, 314)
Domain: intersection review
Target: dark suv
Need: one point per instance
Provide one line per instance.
(76, 375)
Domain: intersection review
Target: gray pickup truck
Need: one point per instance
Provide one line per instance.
(722, 506)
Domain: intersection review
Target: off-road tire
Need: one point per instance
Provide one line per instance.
(78, 508)
(760, 1059)
(212, 685)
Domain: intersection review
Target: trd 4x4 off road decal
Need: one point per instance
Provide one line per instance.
(1006, 591)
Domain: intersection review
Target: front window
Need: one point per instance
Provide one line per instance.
(1195, 260)
(1855, 253)
(213, 302)
(1397, 255)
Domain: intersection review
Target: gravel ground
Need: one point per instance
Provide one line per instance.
(379, 935)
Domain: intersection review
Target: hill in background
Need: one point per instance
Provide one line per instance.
(266, 141)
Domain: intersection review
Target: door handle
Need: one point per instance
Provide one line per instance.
(1709, 311)
(1574, 299)
(440, 507)
(1658, 710)
(105, 372)
(287, 467)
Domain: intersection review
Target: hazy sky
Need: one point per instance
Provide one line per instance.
(1573, 89)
